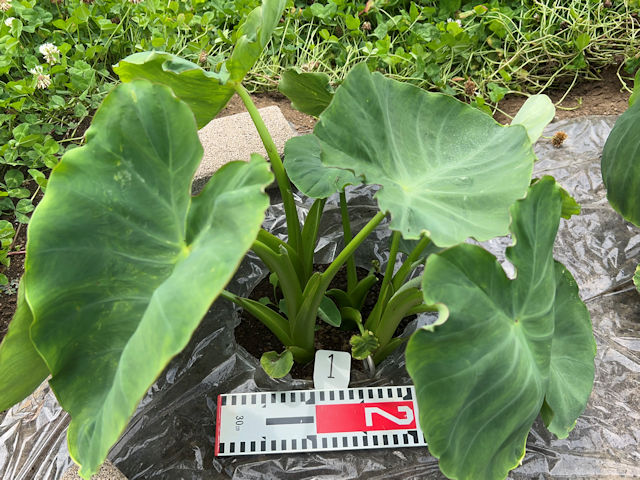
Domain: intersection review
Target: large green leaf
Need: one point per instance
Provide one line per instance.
(572, 352)
(302, 160)
(482, 375)
(122, 263)
(207, 92)
(22, 369)
(621, 165)
(309, 92)
(445, 168)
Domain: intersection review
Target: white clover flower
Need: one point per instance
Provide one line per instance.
(451, 20)
(42, 80)
(9, 20)
(5, 5)
(49, 51)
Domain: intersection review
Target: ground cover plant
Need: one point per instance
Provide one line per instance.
(123, 262)
(55, 69)
(55, 57)
(478, 50)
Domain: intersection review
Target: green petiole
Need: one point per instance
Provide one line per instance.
(349, 313)
(293, 222)
(391, 262)
(352, 276)
(409, 264)
(302, 326)
(375, 316)
(349, 249)
(310, 237)
(272, 320)
(280, 264)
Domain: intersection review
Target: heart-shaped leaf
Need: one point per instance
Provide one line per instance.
(309, 92)
(206, 92)
(122, 263)
(13, 178)
(363, 345)
(22, 367)
(482, 375)
(277, 365)
(621, 165)
(302, 160)
(446, 169)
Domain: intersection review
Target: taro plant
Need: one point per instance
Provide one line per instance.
(123, 262)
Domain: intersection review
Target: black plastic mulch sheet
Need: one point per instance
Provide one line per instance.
(171, 435)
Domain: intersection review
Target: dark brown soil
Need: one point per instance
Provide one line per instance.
(257, 339)
(605, 97)
(9, 293)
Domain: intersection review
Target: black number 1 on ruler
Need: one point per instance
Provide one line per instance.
(331, 367)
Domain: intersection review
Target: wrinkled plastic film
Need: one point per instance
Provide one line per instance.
(172, 433)
(33, 438)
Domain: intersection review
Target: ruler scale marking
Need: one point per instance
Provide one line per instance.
(317, 420)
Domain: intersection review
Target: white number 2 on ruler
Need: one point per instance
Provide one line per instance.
(331, 370)
(407, 411)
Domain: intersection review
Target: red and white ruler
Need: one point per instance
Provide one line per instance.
(317, 420)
